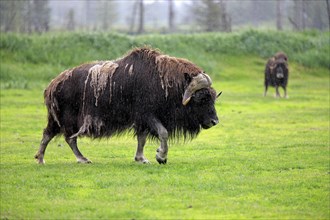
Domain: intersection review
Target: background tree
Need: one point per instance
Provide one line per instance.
(162, 15)
(25, 16)
(137, 14)
(106, 14)
(309, 14)
(211, 15)
(11, 13)
(279, 22)
(92, 11)
(316, 12)
(132, 18)
(207, 14)
(225, 17)
(141, 17)
(40, 15)
(328, 10)
(171, 16)
(298, 18)
(71, 23)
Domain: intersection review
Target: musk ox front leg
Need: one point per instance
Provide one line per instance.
(139, 156)
(266, 88)
(277, 95)
(161, 155)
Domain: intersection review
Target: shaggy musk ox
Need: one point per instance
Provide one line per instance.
(277, 73)
(154, 95)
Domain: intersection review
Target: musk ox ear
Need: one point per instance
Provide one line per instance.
(198, 82)
(187, 77)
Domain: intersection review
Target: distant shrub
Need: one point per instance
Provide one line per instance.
(307, 48)
(41, 57)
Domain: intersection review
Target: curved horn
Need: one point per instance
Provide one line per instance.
(198, 82)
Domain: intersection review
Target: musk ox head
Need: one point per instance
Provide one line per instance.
(279, 65)
(201, 97)
(202, 103)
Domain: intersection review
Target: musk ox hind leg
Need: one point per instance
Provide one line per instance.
(139, 156)
(72, 142)
(277, 95)
(43, 145)
(285, 92)
(50, 131)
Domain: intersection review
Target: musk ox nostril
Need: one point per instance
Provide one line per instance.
(214, 122)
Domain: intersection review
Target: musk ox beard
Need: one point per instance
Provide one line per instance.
(277, 73)
(147, 92)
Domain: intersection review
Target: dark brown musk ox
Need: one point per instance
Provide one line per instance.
(152, 94)
(277, 73)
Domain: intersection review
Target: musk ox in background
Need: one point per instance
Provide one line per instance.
(277, 73)
(152, 94)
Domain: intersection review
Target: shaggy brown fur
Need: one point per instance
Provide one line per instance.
(142, 91)
(100, 75)
(277, 73)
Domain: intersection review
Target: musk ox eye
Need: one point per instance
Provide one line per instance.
(203, 99)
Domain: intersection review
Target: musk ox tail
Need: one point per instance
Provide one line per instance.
(53, 109)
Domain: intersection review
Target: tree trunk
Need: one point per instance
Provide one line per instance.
(141, 18)
(298, 14)
(225, 17)
(328, 7)
(171, 16)
(304, 14)
(279, 25)
(132, 22)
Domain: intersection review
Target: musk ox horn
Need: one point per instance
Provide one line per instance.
(200, 81)
(219, 94)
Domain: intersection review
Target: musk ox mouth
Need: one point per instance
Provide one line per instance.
(279, 75)
(211, 124)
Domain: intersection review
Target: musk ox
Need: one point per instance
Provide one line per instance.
(277, 73)
(146, 92)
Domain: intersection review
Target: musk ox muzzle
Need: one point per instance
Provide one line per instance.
(279, 72)
(211, 123)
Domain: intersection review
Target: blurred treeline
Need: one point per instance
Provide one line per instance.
(162, 16)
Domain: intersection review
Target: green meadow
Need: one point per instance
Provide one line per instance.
(268, 158)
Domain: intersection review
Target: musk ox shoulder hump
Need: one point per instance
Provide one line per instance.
(171, 70)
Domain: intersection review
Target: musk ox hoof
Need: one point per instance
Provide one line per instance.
(39, 158)
(142, 160)
(83, 160)
(161, 160)
(42, 162)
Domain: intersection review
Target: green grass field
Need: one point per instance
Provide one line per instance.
(267, 158)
